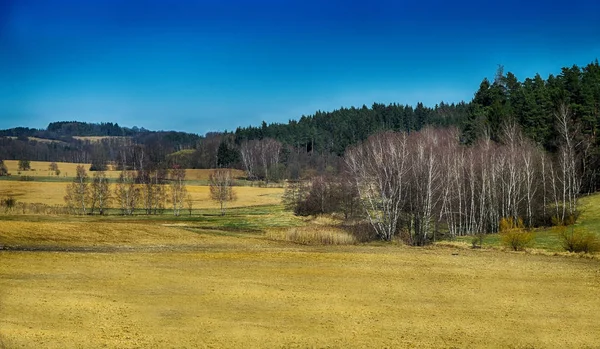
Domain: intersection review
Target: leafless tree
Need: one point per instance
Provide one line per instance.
(379, 167)
(190, 203)
(126, 192)
(77, 192)
(99, 193)
(259, 157)
(221, 183)
(178, 188)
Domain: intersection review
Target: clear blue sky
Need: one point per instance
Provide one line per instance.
(201, 66)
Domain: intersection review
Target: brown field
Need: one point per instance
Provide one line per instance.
(52, 193)
(68, 169)
(95, 139)
(172, 285)
(262, 278)
(40, 168)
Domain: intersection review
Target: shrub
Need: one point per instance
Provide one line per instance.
(513, 234)
(577, 240)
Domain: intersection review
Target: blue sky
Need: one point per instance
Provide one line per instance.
(201, 66)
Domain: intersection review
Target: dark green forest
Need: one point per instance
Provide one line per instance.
(314, 143)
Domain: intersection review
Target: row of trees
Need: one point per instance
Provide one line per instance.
(148, 190)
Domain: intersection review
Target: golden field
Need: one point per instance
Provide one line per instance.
(181, 286)
(52, 193)
(260, 277)
(68, 169)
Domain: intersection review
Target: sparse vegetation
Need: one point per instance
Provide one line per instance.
(24, 165)
(221, 188)
(577, 239)
(3, 169)
(514, 235)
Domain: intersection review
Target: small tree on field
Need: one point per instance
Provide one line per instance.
(178, 189)
(190, 203)
(24, 165)
(3, 169)
(221, 188)
(77, 192)
(100, 192)
(126, 193)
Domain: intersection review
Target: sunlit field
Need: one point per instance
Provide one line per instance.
(52, 193)
(40, 170)
(260, 277)
(154, 284)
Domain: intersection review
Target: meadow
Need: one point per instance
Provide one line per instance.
(260, 277)
(41, 172)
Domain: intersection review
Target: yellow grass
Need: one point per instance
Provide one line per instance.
(96, 139)
(251, 292)
(41, 168)
(68, 169)
(313, 235)
(52, 193)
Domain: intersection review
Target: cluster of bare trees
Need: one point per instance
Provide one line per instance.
(146, 189)
(261, 158)
(426, 182)
(321, 195)
(221, 184)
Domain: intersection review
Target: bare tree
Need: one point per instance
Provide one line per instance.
(3, 169)
(569, 176)
(379, 167)
(190, 203)
(126, 192)
(77, 192)
(259, 157)
(99, 193)
(221, 188)
(178, 188)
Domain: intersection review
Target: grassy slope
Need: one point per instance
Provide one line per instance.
(249, 292)
(545, 238)
(211, 281)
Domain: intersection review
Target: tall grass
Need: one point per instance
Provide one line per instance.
(314, 235)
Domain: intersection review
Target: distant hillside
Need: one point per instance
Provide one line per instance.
(314, 143)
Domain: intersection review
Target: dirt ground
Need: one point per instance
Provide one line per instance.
(181, 288)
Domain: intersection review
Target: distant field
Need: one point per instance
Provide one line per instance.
(67, 169)
(51, 193)
(143, 283)
(41, 168)
(95, 139)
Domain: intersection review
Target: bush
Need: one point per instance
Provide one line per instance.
(577, 240)
(513, 234)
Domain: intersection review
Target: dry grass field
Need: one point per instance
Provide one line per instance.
(52, 193)
(262, 278)
(68, 169)
(180, 287)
